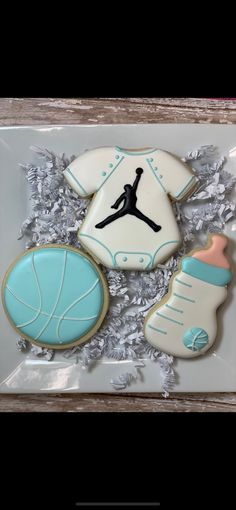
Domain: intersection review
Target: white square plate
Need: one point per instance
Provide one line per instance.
(19, 373)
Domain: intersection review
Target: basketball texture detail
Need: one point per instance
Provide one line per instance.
(53, 295)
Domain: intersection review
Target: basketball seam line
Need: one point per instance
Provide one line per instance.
(40, 297)
(74, 303)
(57, 298)
(45, 313)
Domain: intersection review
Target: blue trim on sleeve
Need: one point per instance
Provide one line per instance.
(68, 170)
(185, 187)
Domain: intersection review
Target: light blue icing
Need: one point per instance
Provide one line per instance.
(206, 272)
(54, 295)
(195, 339)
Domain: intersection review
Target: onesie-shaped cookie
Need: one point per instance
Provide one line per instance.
(130, 223)
(184, 322)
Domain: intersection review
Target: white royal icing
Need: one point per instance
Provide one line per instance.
(192, 304)
(128, 241)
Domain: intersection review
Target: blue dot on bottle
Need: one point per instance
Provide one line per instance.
(110, 165)
(124, 259)
(104, 173)
(117, 156)
(155, 168)
(141, 259)
(195, 339)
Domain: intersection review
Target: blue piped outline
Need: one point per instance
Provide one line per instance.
(183, 283)
(155, 175)
(185, 298)
(157, 329)
(173, 308)
(167, 242)
(185, 187)
(135, 153)
(80, 234)
(113, 257)
(151, 263)
(169, 319)
(76, 180)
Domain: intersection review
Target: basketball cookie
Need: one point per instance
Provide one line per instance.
(184, 322)
(55, 296)
(130, 223)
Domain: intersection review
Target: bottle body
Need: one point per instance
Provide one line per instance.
(184, 324)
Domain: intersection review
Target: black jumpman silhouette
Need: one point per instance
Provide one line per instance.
(129, 207)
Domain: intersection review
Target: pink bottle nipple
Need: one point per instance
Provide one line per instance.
(214, 255)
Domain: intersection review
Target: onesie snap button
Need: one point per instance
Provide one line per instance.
(124, 259)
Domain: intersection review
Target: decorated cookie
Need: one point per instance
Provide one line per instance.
(130, 223)
(55, 296)
(184, 322)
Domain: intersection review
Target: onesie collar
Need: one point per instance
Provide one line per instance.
(148, 150)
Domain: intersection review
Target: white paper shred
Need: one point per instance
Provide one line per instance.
(22, 344)
(42, 352)
(57, 213)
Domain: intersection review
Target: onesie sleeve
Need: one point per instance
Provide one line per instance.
(175, 176)
(87, 173)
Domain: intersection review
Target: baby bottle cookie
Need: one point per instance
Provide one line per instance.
(130, 223)
(184, 323)
(55, 296)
